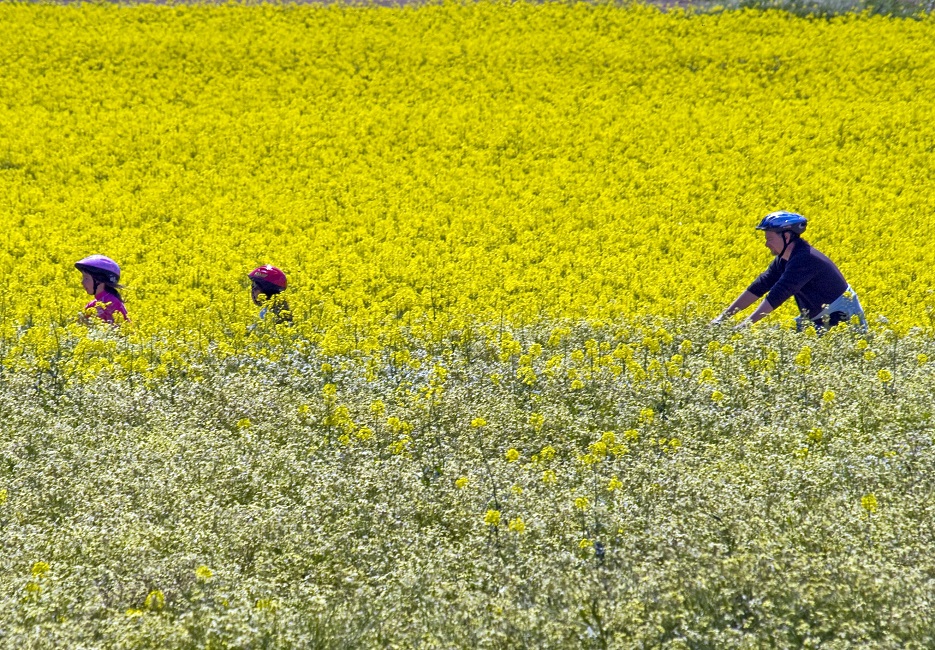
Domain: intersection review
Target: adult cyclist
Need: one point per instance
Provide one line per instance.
(799, 270)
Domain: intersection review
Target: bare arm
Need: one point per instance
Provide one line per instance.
(743, 301)
(761, 312)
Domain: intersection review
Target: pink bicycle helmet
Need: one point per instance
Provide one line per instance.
(101, 268)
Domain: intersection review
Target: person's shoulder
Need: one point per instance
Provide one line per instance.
(814, 255)
(112, 304)
(802, 252)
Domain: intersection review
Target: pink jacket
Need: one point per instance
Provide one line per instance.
(107, 304)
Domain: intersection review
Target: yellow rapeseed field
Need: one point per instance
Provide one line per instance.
(456, 162)
(500, 416)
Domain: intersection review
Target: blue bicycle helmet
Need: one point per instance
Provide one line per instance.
(783, 221)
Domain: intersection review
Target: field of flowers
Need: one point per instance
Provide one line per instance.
(498, 418)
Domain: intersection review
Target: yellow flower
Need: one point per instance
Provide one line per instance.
(203, 573)
(869, 503)
(517, 525)
(512, 455)
(555, 337)
(526, 375)
(585, 543)
(398, 426)
(804, 358)
(492, 518)
(548, 477)
(922, 359)
(647, 416)
(619, 450)
(3, 496)
(598, 450)
(588, 459)
(582, 504)
(267, 604)
(614, 484)
(547, 453)
(40, 569)
(717, 396)
(885, 375)
(400, 445)
(815, 435)
(462, 482)
(155, 601)
(133, 613)
(477, 423)
(828, 396)
(243, 423)
(517, 490)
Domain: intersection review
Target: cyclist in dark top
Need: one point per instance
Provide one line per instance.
(800, 271)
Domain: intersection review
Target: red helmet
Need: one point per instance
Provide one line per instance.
(269, 274)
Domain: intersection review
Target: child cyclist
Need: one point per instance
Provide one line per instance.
(267, 285)
(823, 295)
(100, 277)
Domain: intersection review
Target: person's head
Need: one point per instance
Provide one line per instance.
(99, 273)
(267, 281)
(782, 229)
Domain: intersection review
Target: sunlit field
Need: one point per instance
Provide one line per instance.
(499, 417)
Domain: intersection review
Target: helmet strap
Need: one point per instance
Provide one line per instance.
(785, 242)
(99, 283)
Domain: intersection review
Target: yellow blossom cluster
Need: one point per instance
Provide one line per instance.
(456, 162)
